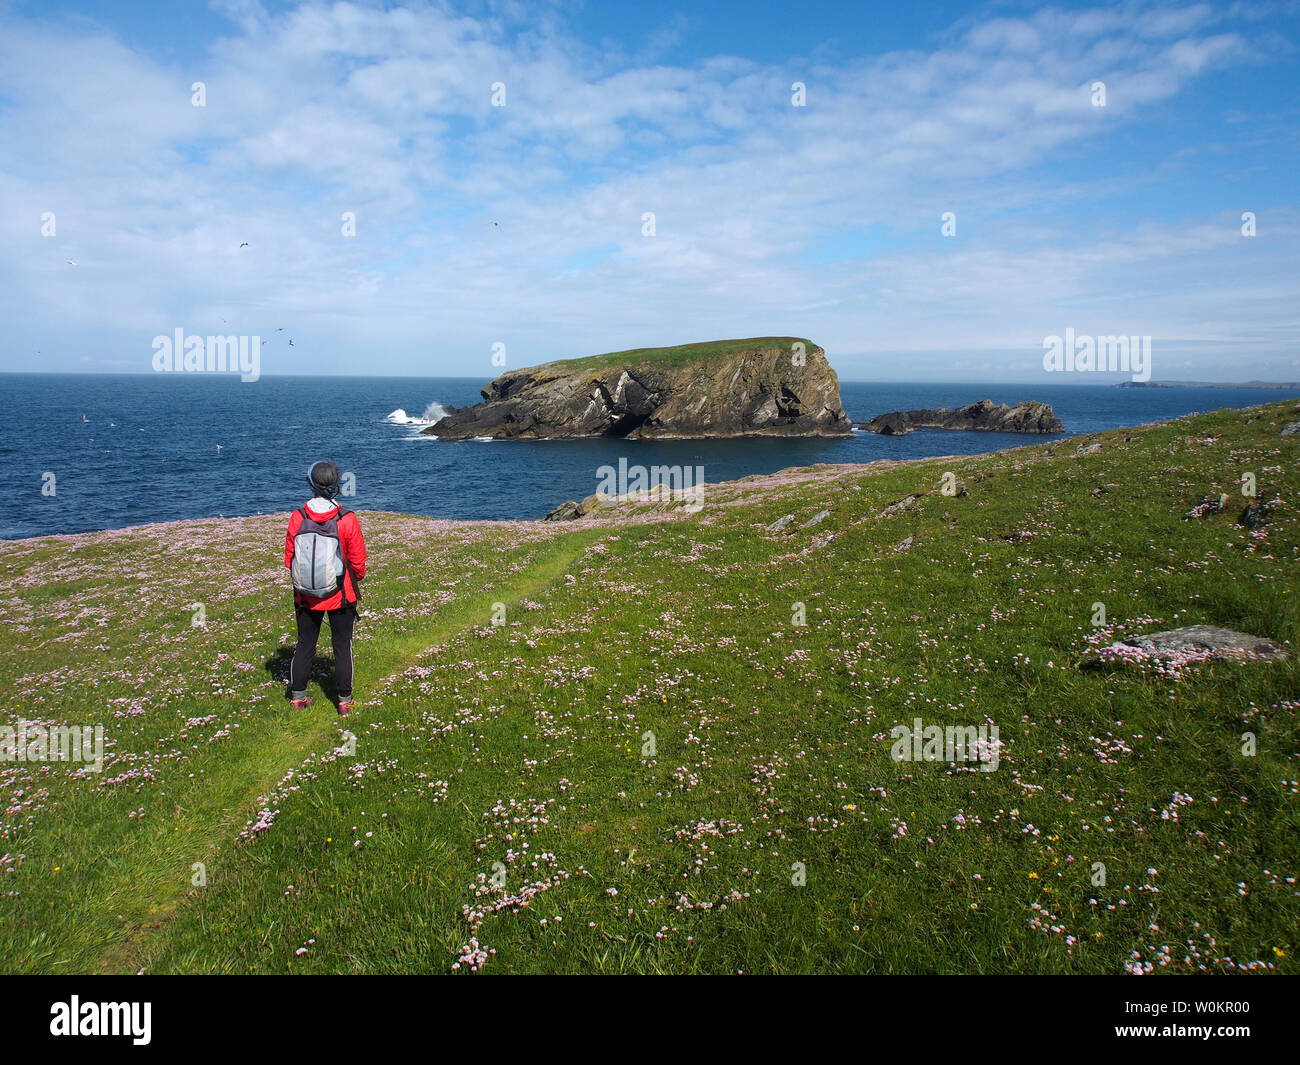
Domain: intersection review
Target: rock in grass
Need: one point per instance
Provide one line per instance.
(1090, 449)
(1290, 430)
(816, 519)
(1203, 641)
(818, 542)
(1207, 505)
(780, 523)
(895, 508)
(1255, 515)
(905, 544)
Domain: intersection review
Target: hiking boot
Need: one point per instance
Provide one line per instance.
(300, 704)
(345, 706)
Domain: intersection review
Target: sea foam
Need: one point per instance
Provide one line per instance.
(432, 413)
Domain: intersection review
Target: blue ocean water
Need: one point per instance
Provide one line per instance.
(148, 448)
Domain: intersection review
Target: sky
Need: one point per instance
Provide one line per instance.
(545, 180)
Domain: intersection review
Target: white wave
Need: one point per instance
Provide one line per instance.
(432, 413)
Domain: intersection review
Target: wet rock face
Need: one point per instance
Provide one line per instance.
(985, 416)
(758, 391)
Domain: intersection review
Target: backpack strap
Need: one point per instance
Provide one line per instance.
(347, 567)
(305, 517)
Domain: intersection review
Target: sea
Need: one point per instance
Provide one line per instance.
(83, 452)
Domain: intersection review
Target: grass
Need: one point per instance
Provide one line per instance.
(681, 355)
(504, 809)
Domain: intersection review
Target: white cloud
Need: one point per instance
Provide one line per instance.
(821, 221)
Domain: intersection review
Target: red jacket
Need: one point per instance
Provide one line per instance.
(354, 550)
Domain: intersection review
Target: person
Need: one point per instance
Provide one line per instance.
(326, 556)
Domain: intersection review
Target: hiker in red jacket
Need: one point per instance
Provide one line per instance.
(326, 555)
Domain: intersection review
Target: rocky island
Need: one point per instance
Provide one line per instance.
(761, 386)
(984, 416)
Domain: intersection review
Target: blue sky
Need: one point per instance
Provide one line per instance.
(770, 219)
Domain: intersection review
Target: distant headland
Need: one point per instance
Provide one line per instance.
(1282, 386)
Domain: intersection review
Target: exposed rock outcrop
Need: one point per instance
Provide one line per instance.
(984, 416)
(1172, 652)
(765, 386)
(895, 508)
(571, 511)
(659, 499)
(1203, 641)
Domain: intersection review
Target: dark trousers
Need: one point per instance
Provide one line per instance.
(309, 623)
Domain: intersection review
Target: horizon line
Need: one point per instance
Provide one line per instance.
(1075, 380)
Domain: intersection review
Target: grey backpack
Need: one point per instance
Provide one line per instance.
(318, 563)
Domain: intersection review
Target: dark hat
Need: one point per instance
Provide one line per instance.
(324, 479)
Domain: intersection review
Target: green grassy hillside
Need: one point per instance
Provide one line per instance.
(505, 810)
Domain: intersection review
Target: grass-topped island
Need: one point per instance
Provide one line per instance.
(762, 386)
